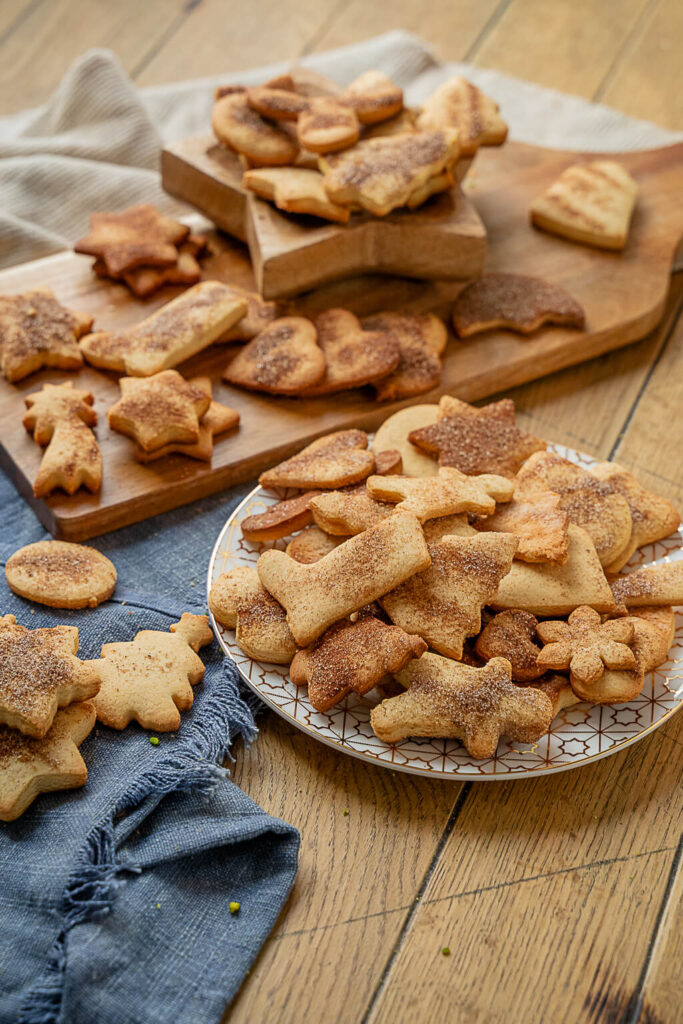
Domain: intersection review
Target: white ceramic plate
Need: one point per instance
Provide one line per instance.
(579, 735)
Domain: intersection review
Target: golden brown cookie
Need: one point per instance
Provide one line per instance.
(393, 433)
(36, 331)
(559, 692)
(589, 203)
(459, 104)
(138, 236)
(652, 517)
(158, 410)
(352, 657)
(514, 302)
(421, 338)
(552, 588)
(241, 128)
(332, 461)
(278, 102)
(594, 505)
(538, 521)
(443, 603)
(441, 495)
(279, 520)
(382, 174)
(284, 359)
(586, 645)
(475, 441)
(374, 97)
(445, 698)
(60, 417)
(660, 584)
(311, 545)
(352, 355)
(176, 331)
(345, 513)
(359, 571)
(652, 636)
(259, 315)
(295, 190)
(511, 634)
(327, 125)
(29, 766)
(39, 673)
(145, 281)
(388, 462)
(217, 419)
(149, 679)
(239, 602)
(61, 575)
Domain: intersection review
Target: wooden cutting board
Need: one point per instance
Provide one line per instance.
(623, 294)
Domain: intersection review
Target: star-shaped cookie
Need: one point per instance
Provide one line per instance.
(443, 604)
(39, 673)
(217, 419)
(138, 236)
(485, 440)
(352, 657)
(36, 331)
(586, 645)
(157, 410)
(441, 495)
(475, 705)
(30, 766)
(149, 679)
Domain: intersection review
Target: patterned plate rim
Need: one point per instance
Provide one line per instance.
(458, 775)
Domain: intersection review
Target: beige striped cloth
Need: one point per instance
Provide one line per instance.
(95, 144)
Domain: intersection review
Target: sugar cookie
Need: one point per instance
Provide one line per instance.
(61, 575)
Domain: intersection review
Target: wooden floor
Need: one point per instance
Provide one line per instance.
(560, 899)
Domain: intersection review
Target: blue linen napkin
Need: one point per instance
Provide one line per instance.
(114, 902)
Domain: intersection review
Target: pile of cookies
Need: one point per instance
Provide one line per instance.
(316, 149)
(462, 560)
(50, 699)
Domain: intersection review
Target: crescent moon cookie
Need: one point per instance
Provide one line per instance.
(284, 359)
(475, 441)
(186, 325)
(335, 460)
(586, 646)
(61, 575)
(443, 603)
(37, 331)
(359, 571)
(594, 505)
(591, 203)
(374, 97)
(30, 766)
(352, 657)
(60, 417)
(446, 698)
(149, 679)
(39, 673)
(515, 302)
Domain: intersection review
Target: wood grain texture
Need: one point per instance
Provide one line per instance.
(623, 295)
(549, 888)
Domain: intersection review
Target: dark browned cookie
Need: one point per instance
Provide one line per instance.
(515, 302)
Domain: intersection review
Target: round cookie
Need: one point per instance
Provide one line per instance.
(61, 575)
(393, 433)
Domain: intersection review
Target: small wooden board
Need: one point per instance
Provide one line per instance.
(623, 294)
(291, 254)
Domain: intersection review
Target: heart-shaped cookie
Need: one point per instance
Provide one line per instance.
(354, 357)
(284, 359)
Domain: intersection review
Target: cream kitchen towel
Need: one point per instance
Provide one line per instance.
(95, 144)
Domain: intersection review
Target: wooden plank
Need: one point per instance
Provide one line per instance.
(624, 296)
(225, 36)
(661, 990)
(644, 82)
(452, 29)
(34, 57)
(358, 873)
(548, 889)
(653, 439)
(570, 46)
